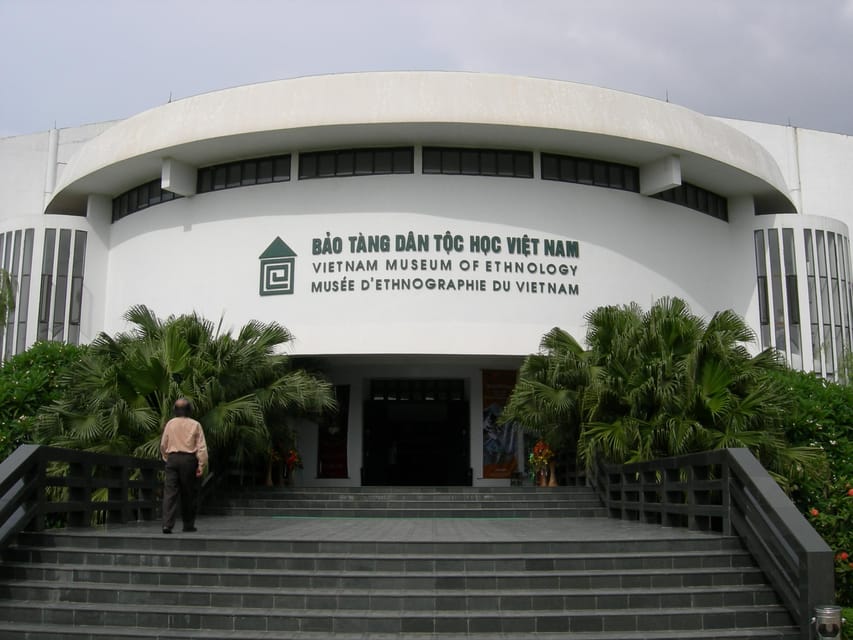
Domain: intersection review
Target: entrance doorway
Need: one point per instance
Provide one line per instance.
(416, 432)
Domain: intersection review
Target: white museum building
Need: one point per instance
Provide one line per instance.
(418, 233)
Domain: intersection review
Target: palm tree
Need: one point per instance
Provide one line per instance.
(548, 397)
(662, 383)
(242, 388)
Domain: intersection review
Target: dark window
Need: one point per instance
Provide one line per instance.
(14, 273)
(404, 160)
(696, 198)
(346, 163)
(307, 165)
(470, 162)
(763, 297)
(506, 166)
(250, 173)
(450, 161)
(432, 161)
(478, 162)
(234, 172)
(148, 194)
(281, 169)
(142, 192)
(24, 290)
(325, 165)
(355, 162)
(205, 180)
(594, 172)
(219, 177)
(599, 174)
(77, 268)
(46, 283)
(265, 171)
(363, 163)
(585, 172)
(4, 260)
(61, 291)
(382, 161)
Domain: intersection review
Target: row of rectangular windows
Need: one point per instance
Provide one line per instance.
(16, 253)
(63, 266)
(244, 173)
(356, 162)
(436, 160)
(478, 162)
(830, 299)
(141, 197)
(696, 198)
(593, 172)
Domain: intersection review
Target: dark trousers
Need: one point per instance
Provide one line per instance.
(181, 485)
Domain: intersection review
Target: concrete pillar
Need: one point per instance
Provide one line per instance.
(178, 177)
(660, 175)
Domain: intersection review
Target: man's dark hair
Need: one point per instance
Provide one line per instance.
(183, 408)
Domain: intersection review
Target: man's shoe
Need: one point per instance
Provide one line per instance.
(167, 530)
(189, 529)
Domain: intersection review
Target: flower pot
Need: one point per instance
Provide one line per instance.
(542, 478)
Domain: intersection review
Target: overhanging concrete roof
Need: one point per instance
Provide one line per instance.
(460, 109)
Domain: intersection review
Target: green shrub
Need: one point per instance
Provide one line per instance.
(28, 381)
(823, 417)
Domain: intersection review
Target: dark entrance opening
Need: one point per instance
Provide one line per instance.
(416, 432)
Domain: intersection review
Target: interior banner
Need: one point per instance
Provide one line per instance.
(332, 442)
(500, 457)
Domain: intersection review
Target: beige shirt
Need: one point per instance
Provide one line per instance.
(184, 435)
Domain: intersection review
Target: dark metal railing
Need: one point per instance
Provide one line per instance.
(728, 491)
(44, 485)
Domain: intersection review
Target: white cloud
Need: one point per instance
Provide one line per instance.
(95, 59)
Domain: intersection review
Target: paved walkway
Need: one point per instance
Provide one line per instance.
(413, 529)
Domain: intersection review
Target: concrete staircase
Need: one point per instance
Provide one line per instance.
(411, 579)
(413, 502)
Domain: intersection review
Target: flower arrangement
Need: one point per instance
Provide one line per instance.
(293, 460)
(540, 456)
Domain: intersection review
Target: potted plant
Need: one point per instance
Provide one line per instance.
(292, 462)
(540, 461)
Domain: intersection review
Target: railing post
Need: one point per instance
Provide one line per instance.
(39, 476)
(117, 476)
(815, 589)
(726, 497)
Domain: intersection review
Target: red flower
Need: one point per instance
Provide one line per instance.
(814, 511)
(850, 492)
(842, 556)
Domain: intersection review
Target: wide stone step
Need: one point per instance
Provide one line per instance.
(370, 497)
(346, 562)
(407, 579)
(412, 502)
(25, 631)
(411, 621)
(389, 601)
(434, 502)
(666, 541)
(406, 512)
(439, 580)
(470, 494)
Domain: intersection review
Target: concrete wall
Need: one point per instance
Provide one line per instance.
(203, 253)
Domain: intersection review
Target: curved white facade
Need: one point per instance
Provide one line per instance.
(426, 226)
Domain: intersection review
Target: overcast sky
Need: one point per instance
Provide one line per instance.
(72, 62)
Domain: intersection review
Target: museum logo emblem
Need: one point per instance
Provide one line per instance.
(278, 264)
